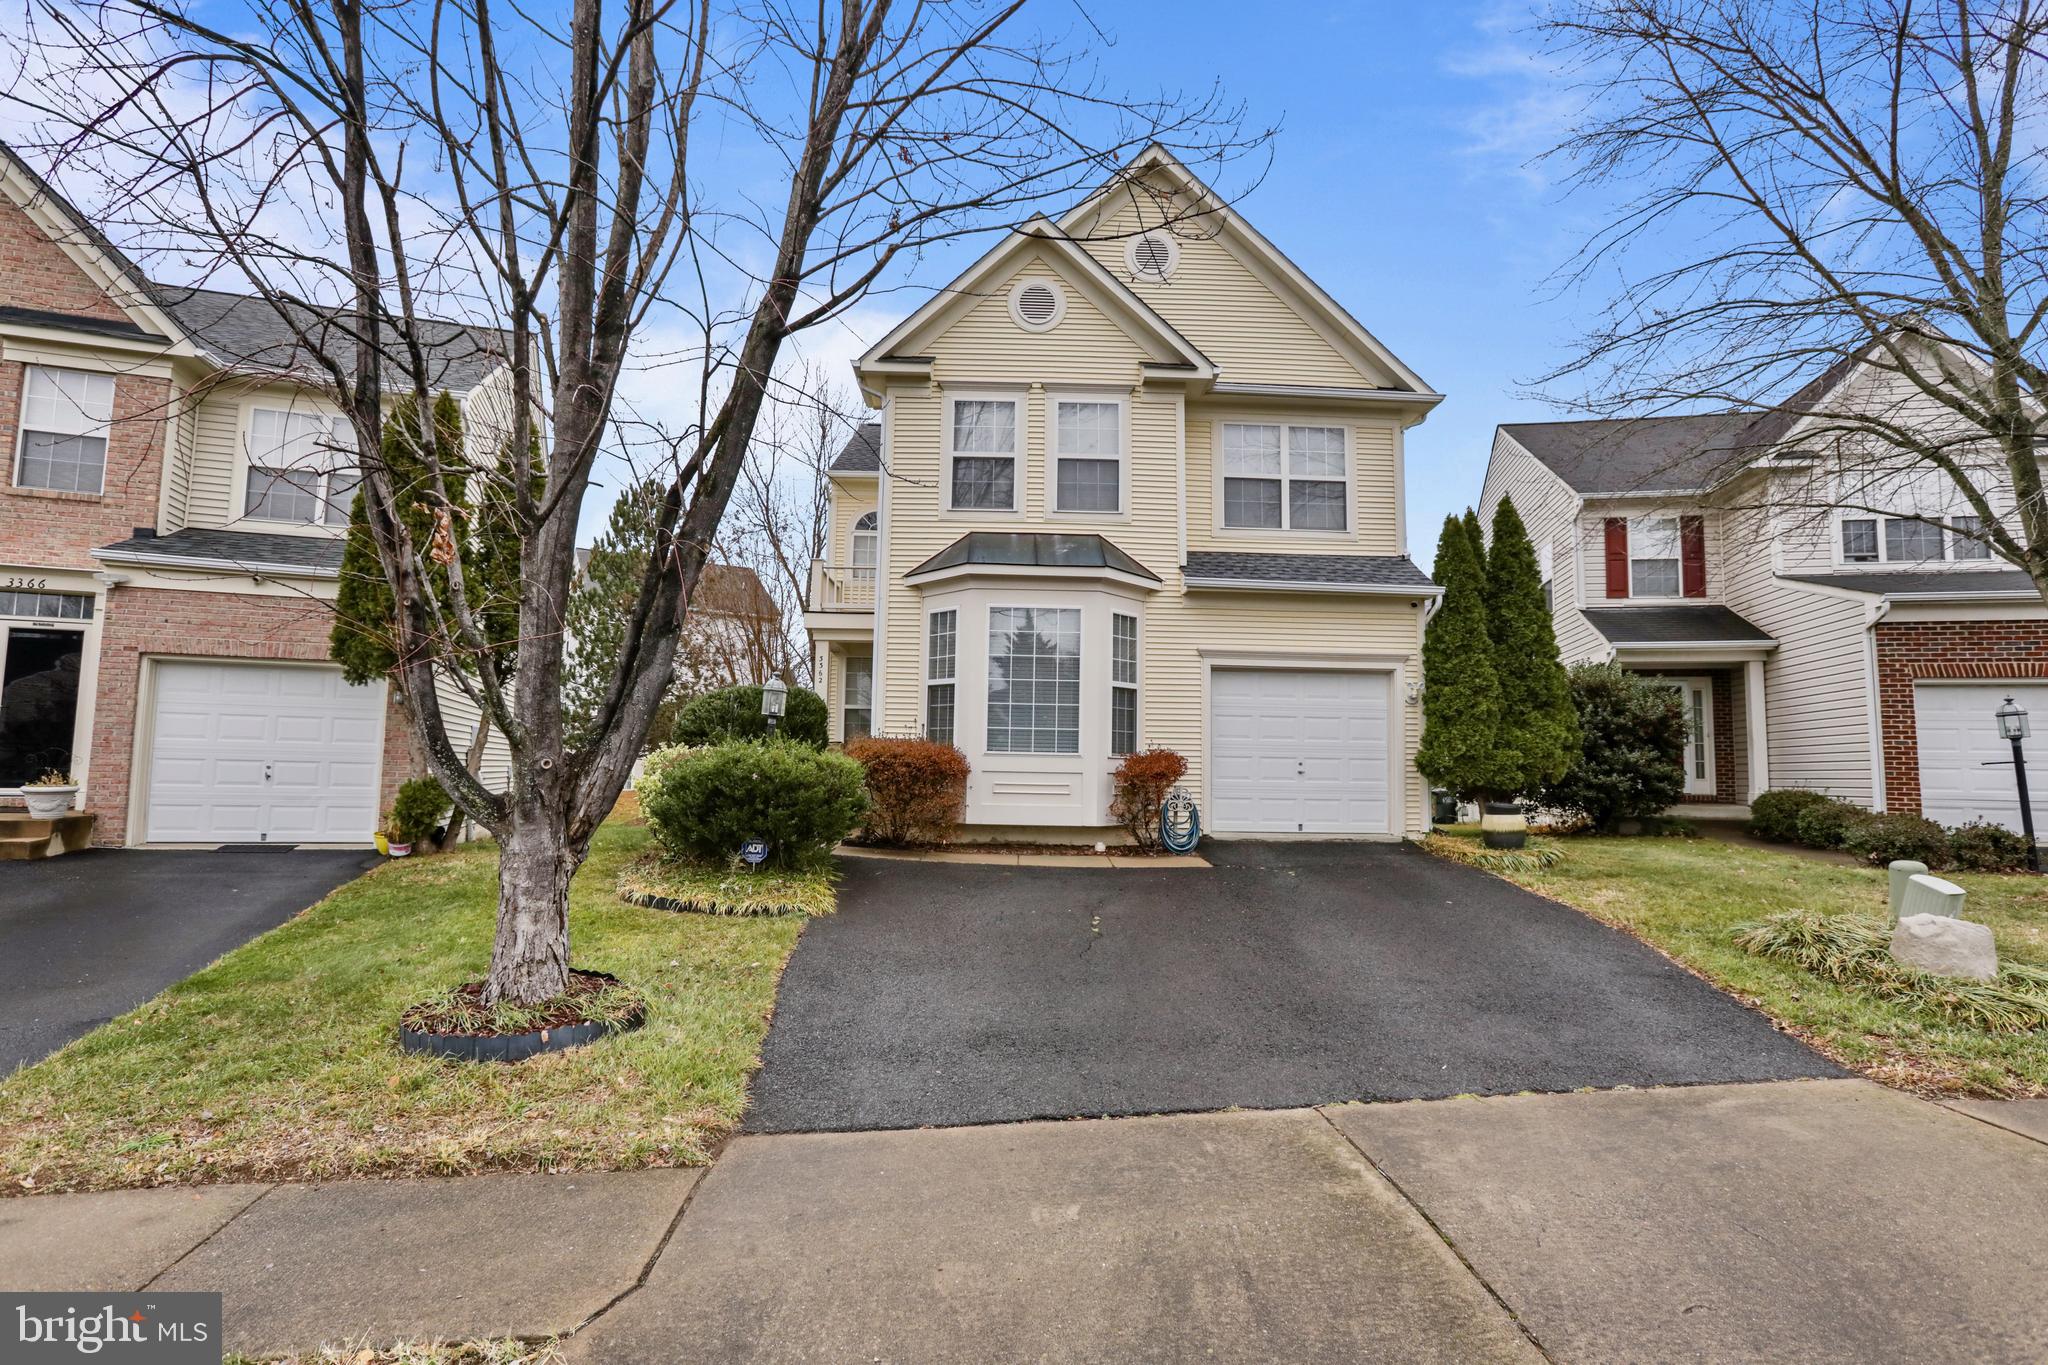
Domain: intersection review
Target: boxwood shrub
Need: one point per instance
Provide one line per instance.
(1882, 839)
(702, 804)
(1826, 823)
(1775, 814)
(735, 713)
(1978, 847)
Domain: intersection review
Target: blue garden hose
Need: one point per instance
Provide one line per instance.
(1180, 822)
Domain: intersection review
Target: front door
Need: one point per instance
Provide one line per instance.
(1696, 697)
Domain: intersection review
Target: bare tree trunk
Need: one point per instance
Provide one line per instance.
(536, 860)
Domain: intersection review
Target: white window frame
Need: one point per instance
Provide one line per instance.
(1016, 401)
(101, 429)
(874, 536)
(1940, 521)
(951, 679)
(335, 461)
(1286, 529)
(846, 695)
(1635, 522)
(1135, 686)
(1053, 454)
(87, 628)
(1080, 748)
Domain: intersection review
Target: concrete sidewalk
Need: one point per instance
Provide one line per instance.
(1807, 1221)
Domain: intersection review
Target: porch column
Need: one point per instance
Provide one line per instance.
(1759, 736)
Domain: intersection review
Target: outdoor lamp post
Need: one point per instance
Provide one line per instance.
(2012, 725)
(774, 697)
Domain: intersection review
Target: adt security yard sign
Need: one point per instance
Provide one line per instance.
(755, 851)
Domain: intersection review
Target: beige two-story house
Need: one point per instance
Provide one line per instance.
(1826, 612)
(173, 499)
(1135, 481)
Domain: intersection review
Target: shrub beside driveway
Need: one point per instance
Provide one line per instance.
(278, 1062)
(1687, 896)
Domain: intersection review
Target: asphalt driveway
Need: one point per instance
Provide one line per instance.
(89, 935)
(1291, 974)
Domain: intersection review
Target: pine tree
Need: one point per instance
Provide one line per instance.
(1475, 534)
(1539, 726)
(1460, 690)
(603, 599)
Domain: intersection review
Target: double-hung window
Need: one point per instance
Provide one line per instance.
(866, 541)
(1912, 540)
(981, 450)
(1123, 683)
(1284, 476)
(301, 468)
(941, 655)
(1653, 557)
(64, 419)
(1034, 680)
(1088, 446)
(857, 712)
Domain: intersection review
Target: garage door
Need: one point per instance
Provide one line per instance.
(1958, 738)
(256, 753)
(1298, 752)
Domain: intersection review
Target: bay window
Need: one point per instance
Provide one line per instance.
(1123, 683)
(300, 468)
(941, 657)
(1284, 476)
(981, 451)
(65, 415)
(1034, 680)
(1088, 457)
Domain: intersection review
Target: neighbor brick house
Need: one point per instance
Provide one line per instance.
(1826, 610)
(172, 504)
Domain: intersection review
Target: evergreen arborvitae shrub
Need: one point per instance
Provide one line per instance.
(701, 805)
(1631, 751)
(1460, 691)
(1539, 726)
(735, 713)
(1475, 532)
(418, 809)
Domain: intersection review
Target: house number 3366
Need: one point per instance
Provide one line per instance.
(17, 581)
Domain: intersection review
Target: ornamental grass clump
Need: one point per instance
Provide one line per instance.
(1855, 950)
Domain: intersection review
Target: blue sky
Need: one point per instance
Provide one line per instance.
(1400, 182)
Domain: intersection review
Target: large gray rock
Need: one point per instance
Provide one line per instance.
(1946, 947)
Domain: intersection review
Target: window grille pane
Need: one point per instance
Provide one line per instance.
(1089, 486)
(1653, 577)
(1906, 540)
(1252, 449)
(1090, 429)
(985, 426)
(67, 402)
(1123, 719)
(1315, 505)
(1859, 541)
(283, 494)
(50, 606)
(1034, 680)
(1251, 502)
(938, 713)
(982, 482)
(858, 706)
(69, 464)
(1123, 654)
(1967, 546)
(341, 495)
(944, 642)
(1316, 452)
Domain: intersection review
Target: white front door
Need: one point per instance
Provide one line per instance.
(1965, 768)
(1696, 697)
(1298, 751)
(262, 753)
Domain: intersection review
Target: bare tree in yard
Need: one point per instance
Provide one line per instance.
(591, 180)
(1814, 191)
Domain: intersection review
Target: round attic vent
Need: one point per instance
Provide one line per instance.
(1037, 305)
(1152, 256)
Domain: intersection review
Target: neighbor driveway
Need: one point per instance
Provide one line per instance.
(89, 935)
(1289, 974)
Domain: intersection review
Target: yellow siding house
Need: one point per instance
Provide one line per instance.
(1135, 482)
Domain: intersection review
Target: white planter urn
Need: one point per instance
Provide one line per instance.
(48, 803)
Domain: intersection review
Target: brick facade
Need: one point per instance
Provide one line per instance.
(36, 272)
(212, 625)
(1908, 651)
(44, 529)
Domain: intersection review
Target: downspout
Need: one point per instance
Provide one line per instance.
(1877, 614)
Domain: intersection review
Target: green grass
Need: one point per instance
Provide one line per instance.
(708, 890)
(280, 1061)
(1688, 897)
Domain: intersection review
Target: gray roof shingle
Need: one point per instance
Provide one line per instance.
(863, 451)
(1033, 549)
(1639, 454)
(1927, 582)
(1344, 571)
(316, 555)
(1703, 625)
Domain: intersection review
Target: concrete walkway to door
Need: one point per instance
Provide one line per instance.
(1290, 974)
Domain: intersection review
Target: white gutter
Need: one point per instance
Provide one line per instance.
(256, 568)
(1429, 591)
(1407, 396)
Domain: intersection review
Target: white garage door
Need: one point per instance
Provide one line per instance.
(1298, 752)
(1958, 737)
(257, 753)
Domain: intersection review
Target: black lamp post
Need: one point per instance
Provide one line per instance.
(2012, 725)
(775, 697)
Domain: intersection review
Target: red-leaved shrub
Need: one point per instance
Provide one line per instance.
(1142, 782)
(917, 789)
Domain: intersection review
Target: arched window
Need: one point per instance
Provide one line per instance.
(865, 543)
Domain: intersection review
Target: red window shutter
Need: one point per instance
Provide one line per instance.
(1617, 556)
(1692, 556)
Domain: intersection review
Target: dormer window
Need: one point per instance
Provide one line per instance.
(64, 420)
(302, 468)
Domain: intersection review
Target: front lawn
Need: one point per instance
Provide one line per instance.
(279, 1062)
(1686, 897)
